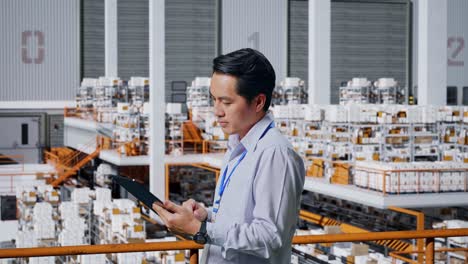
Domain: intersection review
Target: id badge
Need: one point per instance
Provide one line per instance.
(215, 210)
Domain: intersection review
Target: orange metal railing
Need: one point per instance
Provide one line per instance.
(18, 169)
(419, 225)
(83, 113)
(428, 235)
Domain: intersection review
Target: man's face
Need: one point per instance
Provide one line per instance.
(234, 114)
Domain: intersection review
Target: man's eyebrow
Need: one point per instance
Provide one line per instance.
(221, 97)
(224, 98)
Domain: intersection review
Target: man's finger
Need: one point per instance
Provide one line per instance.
(163, 213)
(170, 206)
(189, 201)
(190, 204)
(198, 214)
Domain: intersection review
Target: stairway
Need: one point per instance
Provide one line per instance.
(66, 172)
(191, 132)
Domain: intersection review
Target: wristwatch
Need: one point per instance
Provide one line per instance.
(201, 237)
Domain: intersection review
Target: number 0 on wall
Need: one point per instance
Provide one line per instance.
(28, 36)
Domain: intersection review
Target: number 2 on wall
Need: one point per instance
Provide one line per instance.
(455, 47)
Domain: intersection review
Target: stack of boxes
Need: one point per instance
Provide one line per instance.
(198, 95)
(138, 93)
(450, 127)
(127, 130)
(366, 133)
(357, 91)
(425, 142)
(339, 148)
(118, 221)
(81, 195)
(396, 137)
(314, 138)
(26, 197)
(69, 223)
(126, 220)
(144, 129)
(84, 98)
(174, 129)
(302, 125)
(44, 225)
(389, 92)
(106, 96)
(291, 91)
(396, 133)
(73, 226)
(26, 194)
(412, 177)
(341, 173)
(102, 174)
(362, 91)
(48, 194)
(37, 209)
(204, 118)
(110, 100)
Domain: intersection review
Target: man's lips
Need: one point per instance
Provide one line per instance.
(222, 124)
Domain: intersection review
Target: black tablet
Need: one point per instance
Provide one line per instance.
(138, 190)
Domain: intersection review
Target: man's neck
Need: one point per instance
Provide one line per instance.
(258, 118)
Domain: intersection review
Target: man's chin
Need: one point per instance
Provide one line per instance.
(227, 131)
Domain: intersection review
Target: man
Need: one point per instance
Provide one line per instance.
(257, 197)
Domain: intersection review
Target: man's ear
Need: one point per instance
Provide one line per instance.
(260, 101)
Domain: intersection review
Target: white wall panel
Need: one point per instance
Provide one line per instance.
(39, 49)
(260, 24)
(432, 52)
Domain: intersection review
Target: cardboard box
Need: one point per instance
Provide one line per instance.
(359, 249)
(316, 169)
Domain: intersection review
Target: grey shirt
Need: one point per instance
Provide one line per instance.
(258, 211)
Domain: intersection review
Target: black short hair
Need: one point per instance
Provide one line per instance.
(253, 71)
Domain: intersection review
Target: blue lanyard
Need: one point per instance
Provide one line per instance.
(224, 181)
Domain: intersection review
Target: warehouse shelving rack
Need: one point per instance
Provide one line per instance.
(425, 142)
(365, 137)
(396, 143)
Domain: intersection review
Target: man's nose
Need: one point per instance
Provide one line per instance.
(218, 110)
